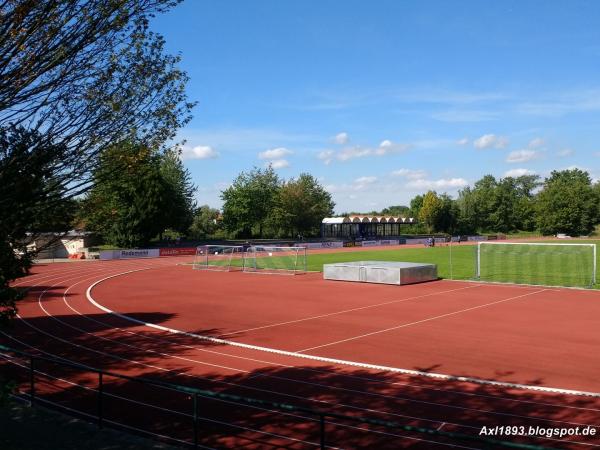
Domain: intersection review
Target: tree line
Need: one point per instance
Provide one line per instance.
(567, 202)
(138, 195)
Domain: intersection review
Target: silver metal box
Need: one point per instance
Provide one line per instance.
(384, 272)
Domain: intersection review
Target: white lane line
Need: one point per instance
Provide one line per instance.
(440, 376)
(417, 322)
(360, 308)
(158, 339)
(426, 387)
(64, 299)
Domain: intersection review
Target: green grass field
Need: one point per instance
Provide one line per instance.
(458, 262)
(549, 266)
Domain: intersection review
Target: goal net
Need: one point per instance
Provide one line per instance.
(219, 257)
(572, 265)
(282, 260)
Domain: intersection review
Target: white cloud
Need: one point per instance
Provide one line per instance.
(410, 174)
(524, 155)
(365, 180)
(326, 156)
(275, 153)
(536, 143)
(279, 163)
(341, 138)
(353, 152)
(199, 152)
(490, 141)
(565, 152)
(442, 183)
(463, 141)
(386, 147)
(518, 173)
(462, 115)
(362, 183)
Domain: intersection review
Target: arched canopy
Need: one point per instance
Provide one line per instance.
(334, 220)
(367, 219)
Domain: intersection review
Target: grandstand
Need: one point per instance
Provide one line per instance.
(367, 227)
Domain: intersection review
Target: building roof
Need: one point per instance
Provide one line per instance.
(367, 219)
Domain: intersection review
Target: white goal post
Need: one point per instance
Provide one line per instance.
(272, 259)
(538, 263)
(219, 257)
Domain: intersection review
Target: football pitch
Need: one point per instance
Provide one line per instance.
(459, 262)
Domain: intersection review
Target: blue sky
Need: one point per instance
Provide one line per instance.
(384, 100)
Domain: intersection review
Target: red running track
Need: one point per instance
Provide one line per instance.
(505, 333)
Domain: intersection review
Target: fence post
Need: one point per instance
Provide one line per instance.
(322, 429)
(100, 399)
(195, 420)
(31, 380)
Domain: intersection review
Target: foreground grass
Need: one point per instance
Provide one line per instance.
(25, 428)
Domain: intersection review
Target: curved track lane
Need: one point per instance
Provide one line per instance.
(56, 319)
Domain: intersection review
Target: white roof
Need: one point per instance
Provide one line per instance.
(335, 220)
(367, 219)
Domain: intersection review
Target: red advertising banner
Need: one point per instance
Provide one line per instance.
(177, 251)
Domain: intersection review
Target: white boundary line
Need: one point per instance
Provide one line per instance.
(439, 376)
(344, 311)
(416, 322)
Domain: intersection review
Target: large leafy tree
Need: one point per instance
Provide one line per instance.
(88, 73)
(248, 204)
(415, 205)
(501, 205)
(302, 203)
(526, 186)
(597, 194)
(396, 211)
(206, 222)
(182, 205)
(29, 165)
(431, 211)
(448, 218)
(567, 203)
(130, 201)
(76, 76)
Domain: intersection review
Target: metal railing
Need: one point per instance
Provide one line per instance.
(320, 416)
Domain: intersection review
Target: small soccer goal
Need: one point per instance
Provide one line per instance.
(278, 260)
(545, 264)
(219, 257)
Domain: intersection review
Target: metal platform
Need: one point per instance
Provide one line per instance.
(384, 272)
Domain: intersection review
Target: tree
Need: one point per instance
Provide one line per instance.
(396, 211)
(75, 77)
(301, 205)
(181, 205)
(206, 222)
(431, 211)
(29, 164)
(503, 202)
(467, 211)
(448, 217)
(567, 203)
(525, 207)
(89, 73)
(597, 194)
(415, 205)
(249, 201)
(130, 201)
